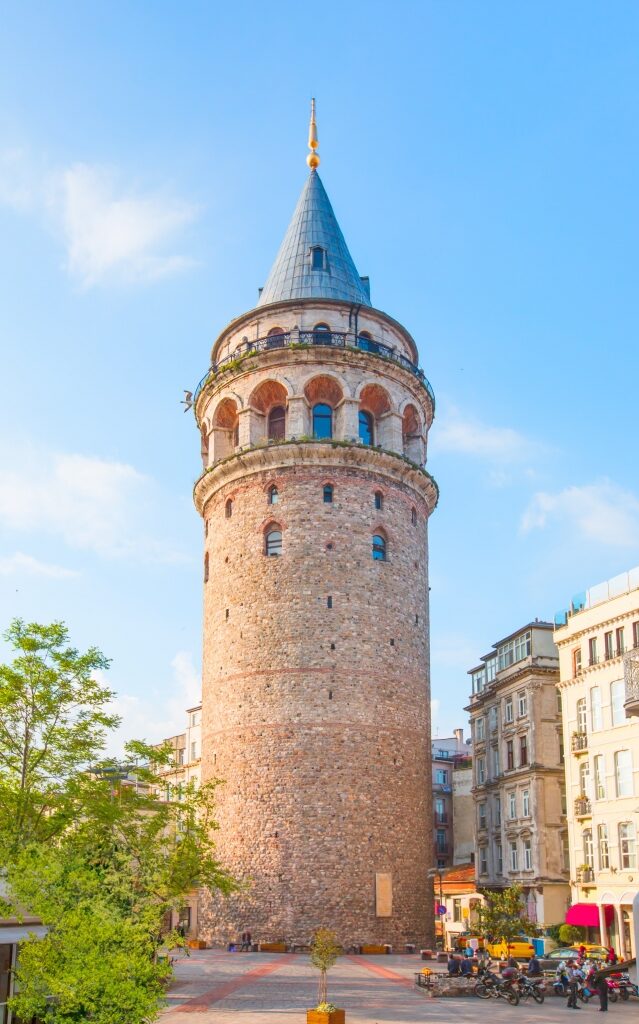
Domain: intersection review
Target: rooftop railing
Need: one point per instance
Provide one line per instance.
(326, 339)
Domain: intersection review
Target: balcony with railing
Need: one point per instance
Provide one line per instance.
(583, 807)
(326, 339)
(579, 742)
(631, 676)
(586, 875)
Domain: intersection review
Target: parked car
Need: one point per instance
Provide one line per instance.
(551, 961)
(521, 949)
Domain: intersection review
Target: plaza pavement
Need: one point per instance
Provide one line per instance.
(215, 987)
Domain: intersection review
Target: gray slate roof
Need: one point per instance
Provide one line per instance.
(314, 224)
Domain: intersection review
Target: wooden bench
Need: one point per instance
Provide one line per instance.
(273, 947)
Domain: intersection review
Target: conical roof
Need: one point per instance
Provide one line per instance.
(314, 226)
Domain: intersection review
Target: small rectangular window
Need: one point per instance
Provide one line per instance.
(609, 648)
(620, 640)
(522, 704)
(527, 855)
(525, 803)
(329, 602)
(508, 710)
(523, 750)
(592, 651)
(510, 754)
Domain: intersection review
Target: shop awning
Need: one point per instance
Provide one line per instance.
(587, 915)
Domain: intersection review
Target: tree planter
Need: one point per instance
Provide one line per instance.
(325, 1017)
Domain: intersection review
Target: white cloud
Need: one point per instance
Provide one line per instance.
(156, 717)
(91, 503)
(467, 436)
(600, 512)
(20, 563)
(111, 233)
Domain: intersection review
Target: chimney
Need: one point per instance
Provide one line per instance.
(459, 736)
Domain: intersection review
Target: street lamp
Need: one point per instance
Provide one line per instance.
(439, 873)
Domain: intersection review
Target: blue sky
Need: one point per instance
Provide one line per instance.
(482, 159)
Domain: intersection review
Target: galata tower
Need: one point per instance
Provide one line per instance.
(314, 419)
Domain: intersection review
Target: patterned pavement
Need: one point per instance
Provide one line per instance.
(213, 987)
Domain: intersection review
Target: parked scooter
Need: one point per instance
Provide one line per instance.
(491, 986)
(535, 987)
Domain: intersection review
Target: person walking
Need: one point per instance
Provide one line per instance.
(601, 984)
(573, 981)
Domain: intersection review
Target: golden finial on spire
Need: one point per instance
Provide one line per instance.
(313, 159)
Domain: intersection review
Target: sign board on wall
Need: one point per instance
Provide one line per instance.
(383, 894)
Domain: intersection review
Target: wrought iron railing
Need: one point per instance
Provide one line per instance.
(327, 339)
(585, 874)
(631, 676)
(579, 742)
(583, 807)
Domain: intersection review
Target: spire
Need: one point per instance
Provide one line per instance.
(313, 260)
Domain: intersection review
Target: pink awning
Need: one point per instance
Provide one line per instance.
(587, 915)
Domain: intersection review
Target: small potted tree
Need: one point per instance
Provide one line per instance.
(324, 953)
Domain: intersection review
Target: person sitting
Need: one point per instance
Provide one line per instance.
(466, 966)
(611, 957)
(453, 965)
(534, 967)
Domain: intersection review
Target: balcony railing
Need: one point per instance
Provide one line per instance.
(631, 675)
(583, 807)
(325, 339)
(585, 875)
(441, 819)
(579, 742)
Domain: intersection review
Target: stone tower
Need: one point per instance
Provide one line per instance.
(316, 699)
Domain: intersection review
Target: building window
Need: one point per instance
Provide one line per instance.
(620, 640)
(565, 852)
(499, 856)
(480, 730)
(589, 856)
(600, 777)
(617, 698)
(481, 810)
(525, 803)
(440, 841)
(481, 771)
(584, 778)
(522, 704)
(581, 715)
(327, 494)
(602, 845)
(364, 341)
(592, 651)
(206, 567)
(413, 516)
(508, 710)
(273, 495)
(595, 708)
(563, 801)
(527, 855)
(623, 773)
(366, 434)
(635, 634)
(510, 755)
(379, 500)
(609, 650)
(492, 718)
(180, 755)
(441, 776)
(523, 751)
(194, 751)
(497, 811)
(514, 857)
(317, 258)
(457, 910)
(440, 811)
(483, 860)
(627, 846)
(512, 805)
(514, 650)
(277, 423)
(322, 334)
(496, 769)
(379, 548)
(228, 509)
(273, 542)
(322, 421)
(576, 661)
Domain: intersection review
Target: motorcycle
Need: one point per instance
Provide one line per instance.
(535, 987)
(491, 986)
(627, 988)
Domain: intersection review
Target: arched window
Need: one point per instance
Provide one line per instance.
(273, 495)
(317, 258)
(276, 338)
(322, 420)
(273, 541)
(322, 334)
(328, 494)
(379, 500)
(228, 509)
(364, 341)
(379, 548)
(413, 516)
(277, 423)
(206, 567)
(365, 427)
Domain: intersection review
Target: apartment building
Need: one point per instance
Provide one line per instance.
(518, 779)
(449, 753)
(597, 636)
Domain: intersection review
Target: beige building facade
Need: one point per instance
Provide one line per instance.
(449, 753)
(595, 635)
(315, 502)
(518, 779)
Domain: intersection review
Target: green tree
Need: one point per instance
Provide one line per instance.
(324, 953)
(501, 918)
(570, 933)
(99, 858)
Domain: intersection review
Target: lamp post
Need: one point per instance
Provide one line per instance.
(438, 873)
